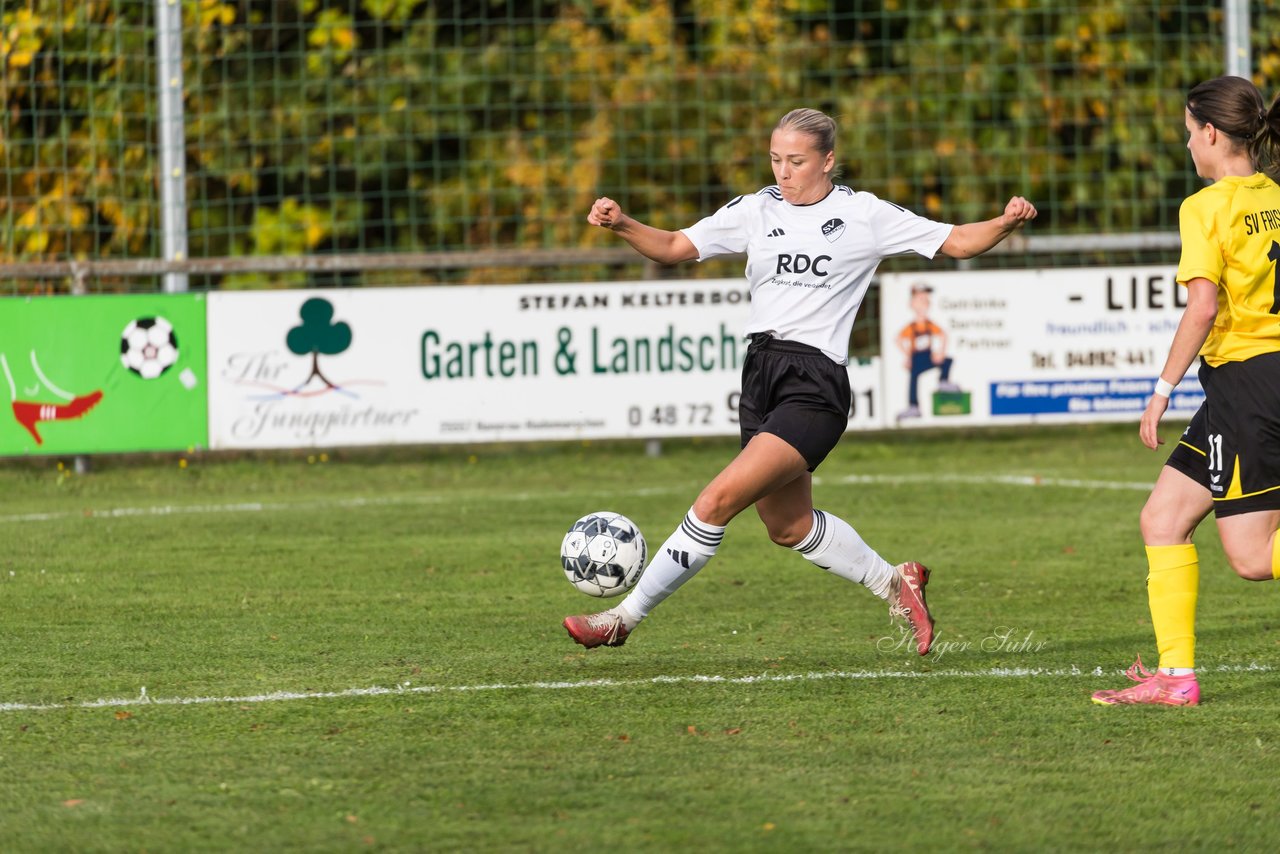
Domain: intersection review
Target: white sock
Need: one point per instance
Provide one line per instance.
(833, 545)
(1177, 671)
(684, 553)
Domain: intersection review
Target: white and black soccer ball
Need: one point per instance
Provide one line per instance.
(148, 346)
(603, 554)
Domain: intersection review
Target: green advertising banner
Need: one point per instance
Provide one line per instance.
(102, 374)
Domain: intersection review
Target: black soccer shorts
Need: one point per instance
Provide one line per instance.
(1242, 434)
(795, 392)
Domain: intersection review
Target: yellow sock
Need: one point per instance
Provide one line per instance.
(1173, 582)
(1275, 555)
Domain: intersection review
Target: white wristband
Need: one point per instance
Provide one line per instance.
(1163, 388)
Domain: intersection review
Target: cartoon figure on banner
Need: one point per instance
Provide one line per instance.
(924, 346)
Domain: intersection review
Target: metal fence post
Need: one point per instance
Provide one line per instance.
(1239, 59)
(172, 138)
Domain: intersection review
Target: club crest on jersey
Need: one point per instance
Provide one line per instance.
(832, 229)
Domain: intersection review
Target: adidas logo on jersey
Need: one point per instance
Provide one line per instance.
(777, 232)
(832, 229)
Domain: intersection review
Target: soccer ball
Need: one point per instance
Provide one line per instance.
(148, 346)
(603, 554)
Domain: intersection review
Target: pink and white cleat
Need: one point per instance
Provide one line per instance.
(1153, 689)
(911, 581)
(603, 629)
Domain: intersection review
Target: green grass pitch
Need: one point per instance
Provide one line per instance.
(364, 652)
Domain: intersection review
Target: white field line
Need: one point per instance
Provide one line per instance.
(395, 500)
(998, 480)
(275, 506)
(208, 509)
(409, 690)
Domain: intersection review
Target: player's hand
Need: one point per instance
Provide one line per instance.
(1156, 407)
(605, 213)
(1017, 212)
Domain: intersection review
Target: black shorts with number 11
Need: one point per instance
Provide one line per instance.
(1237, 435)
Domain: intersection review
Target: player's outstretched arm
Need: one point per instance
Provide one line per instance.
(974, 238)
(665, 247)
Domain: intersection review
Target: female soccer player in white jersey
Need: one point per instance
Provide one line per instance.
(1228, 460)
(812, 247)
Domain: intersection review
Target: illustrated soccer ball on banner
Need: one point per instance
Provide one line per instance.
(148, 346)
(603, 554)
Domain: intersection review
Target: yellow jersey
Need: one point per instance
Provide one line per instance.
(1231, 236)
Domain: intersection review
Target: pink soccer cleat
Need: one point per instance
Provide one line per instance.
(603, 629)
(1153, 689)
(912, 578)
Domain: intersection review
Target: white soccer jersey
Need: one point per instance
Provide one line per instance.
(809, 266)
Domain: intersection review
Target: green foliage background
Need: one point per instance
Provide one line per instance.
(394, 125)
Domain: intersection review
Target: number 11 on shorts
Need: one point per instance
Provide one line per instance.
(1214, 441)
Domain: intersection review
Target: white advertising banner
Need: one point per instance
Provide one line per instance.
(1017, 346)
(484, 363)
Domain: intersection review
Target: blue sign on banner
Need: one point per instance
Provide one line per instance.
(1085, 396)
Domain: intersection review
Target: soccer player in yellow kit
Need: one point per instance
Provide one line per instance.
(1228, 461)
